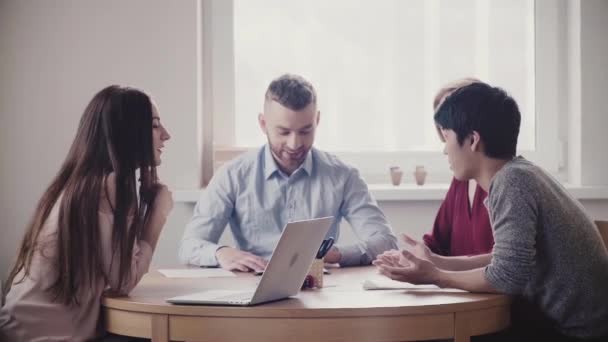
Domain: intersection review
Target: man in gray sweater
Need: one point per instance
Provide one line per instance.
(547, 251)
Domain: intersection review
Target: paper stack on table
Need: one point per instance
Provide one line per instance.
(196, 273)
(383, 283)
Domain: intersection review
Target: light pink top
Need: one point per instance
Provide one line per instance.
(30, 314)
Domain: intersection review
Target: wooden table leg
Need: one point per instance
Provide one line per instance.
(479, 322)
(462, 331)
(160, 328)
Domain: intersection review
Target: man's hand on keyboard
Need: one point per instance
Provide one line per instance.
(232, 259)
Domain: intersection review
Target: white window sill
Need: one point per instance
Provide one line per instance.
(412, 192)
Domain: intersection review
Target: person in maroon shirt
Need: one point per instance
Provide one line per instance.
(462, 225)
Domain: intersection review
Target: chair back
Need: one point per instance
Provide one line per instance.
(602, 226)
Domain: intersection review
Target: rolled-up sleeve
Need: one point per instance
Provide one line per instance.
(367, 221)
(513, 212)
(211, 215)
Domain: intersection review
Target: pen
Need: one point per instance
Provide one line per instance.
(325, 246)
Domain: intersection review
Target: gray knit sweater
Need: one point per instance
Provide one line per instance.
(547, 249)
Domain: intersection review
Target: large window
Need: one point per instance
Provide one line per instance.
(376, 66)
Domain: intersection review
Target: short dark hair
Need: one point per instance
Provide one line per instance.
(291, 91)
(488, 110)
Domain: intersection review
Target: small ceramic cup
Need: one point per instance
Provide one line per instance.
(396, 175)
(420, 175)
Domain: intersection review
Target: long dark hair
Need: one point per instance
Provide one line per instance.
(114, 135)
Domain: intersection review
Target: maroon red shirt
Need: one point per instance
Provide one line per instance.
(460, 228)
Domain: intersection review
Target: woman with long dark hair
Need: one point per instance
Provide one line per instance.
(95, 227)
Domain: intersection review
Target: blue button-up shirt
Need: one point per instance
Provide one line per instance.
(257, 199)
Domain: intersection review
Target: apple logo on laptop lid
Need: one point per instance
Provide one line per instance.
(293, 260)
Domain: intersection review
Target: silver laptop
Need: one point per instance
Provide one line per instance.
(284, 274)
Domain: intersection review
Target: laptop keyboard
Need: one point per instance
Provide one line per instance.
(237, 298)
(216, 296)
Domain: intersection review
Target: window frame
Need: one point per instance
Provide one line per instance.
(217, 137)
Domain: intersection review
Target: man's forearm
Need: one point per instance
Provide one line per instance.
(198, 252)
(350, 255)
(471, 280)
(379, 243)
(461, 263)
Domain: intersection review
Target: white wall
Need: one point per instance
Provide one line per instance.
(54, 55)
(594, 87)
(586, 85)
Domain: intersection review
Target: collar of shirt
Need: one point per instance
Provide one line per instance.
(271, 167)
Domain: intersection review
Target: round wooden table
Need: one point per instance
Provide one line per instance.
(341, 311)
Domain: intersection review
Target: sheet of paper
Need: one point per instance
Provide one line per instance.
(382, 283)
(196, 273)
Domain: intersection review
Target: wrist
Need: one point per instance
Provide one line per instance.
(219, 248)
(440, 278)
(333, 256)
(436, 259)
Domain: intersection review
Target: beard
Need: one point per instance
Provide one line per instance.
(288, 160)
